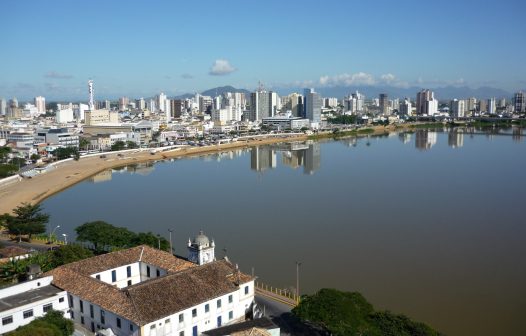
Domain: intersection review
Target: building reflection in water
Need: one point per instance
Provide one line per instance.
(404, 137)
(293, 155)
(103, 176)
(455, 138)
(517, 134)
(425, 139)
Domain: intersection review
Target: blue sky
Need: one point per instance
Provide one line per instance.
(138, 48)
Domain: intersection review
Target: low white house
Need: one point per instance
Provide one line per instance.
(149, 292)
(23, 302)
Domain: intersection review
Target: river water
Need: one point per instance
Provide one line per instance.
(429, 224)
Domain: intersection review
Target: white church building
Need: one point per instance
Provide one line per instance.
(148, 292)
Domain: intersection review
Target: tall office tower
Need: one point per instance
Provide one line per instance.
(426, 103)
(312, 105)
(405, 107)
(91, 102)
(384, 104)
(161, 102)
(294, 104)
(355, 102)
(168, 109)
(107, 104)
(483, 106)
(259, 105)
(177, 107)
(140, 103)
(123, 103)
(273, 99)
(13, 102)
(519, 102)
(150, 105)
(3, 106)
(205, 104)
(492, 107)
(40, 103)
(458, 108)
(502, 102)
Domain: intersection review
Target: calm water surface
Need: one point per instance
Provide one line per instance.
(429, 224)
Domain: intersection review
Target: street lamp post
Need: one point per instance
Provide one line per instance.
(171, 248)
(52, 232)
(298, 264)
(65, 239)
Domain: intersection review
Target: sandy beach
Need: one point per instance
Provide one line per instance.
(66, 174)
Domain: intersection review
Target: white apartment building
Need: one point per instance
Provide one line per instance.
(22, 303)
(458, 108)
(64, 116)
(148, 292)
(40, 103)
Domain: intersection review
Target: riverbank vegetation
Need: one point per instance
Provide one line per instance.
(346, 313)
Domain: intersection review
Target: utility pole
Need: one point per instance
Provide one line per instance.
(171, 249)
(298, 264)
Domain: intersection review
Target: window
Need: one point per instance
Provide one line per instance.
(128, 271)
(181, 318)
(230, 315)
(148, 271)
(61, 299)
(158, 273)
(181, 333)
(152, 326)
(118, 323)
(102, 317)
(28, 313)
(207, 308)
(70, 298)
(129, 282)
(230, 298)
(91, 310)
(81, 306)
(113, 276)
(219, 303)
(131, 327)
(194, 312)
(7, 320)
(97, 276)
(246, 290)
(82, 320)
(47, 307)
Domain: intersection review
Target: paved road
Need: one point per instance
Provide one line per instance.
(281, 315)
(38, 247)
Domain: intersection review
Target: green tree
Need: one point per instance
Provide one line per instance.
(131, 144)
(151, 240)
(35, 157)
(118, 145)
(343, 119)
(104, 235)
(51, 324)
(28, 220)
(69, 253)
(83, 143)
(7, 170)
(4, 153)
(346, 313)
(19, 162)
(66, 153)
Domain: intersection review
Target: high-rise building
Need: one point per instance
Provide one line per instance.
(161, 102)
(471, 105)
(273, 101)
(259, 105)
(40, 103)
(384, 104)
(123, 103)
(3, 106)
(491, 108)
(458, 108)
(13, 102)
(177, 107)
(295, 104)
(107, 104)
(312, 105)
(519, 102)
(483, 106)
(140, 103)
(406, 107)
(426, 104)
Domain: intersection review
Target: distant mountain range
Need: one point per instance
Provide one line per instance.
(441, 93)
(214, 92)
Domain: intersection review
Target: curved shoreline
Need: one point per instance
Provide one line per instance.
(67, 174)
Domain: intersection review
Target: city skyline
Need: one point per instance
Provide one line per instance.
(140, 50)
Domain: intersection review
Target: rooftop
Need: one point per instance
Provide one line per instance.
(250, 327)
(185, 285)
(28, 297)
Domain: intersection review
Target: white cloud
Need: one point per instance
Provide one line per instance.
(57, 75)
(361, 78)
(221, 67)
